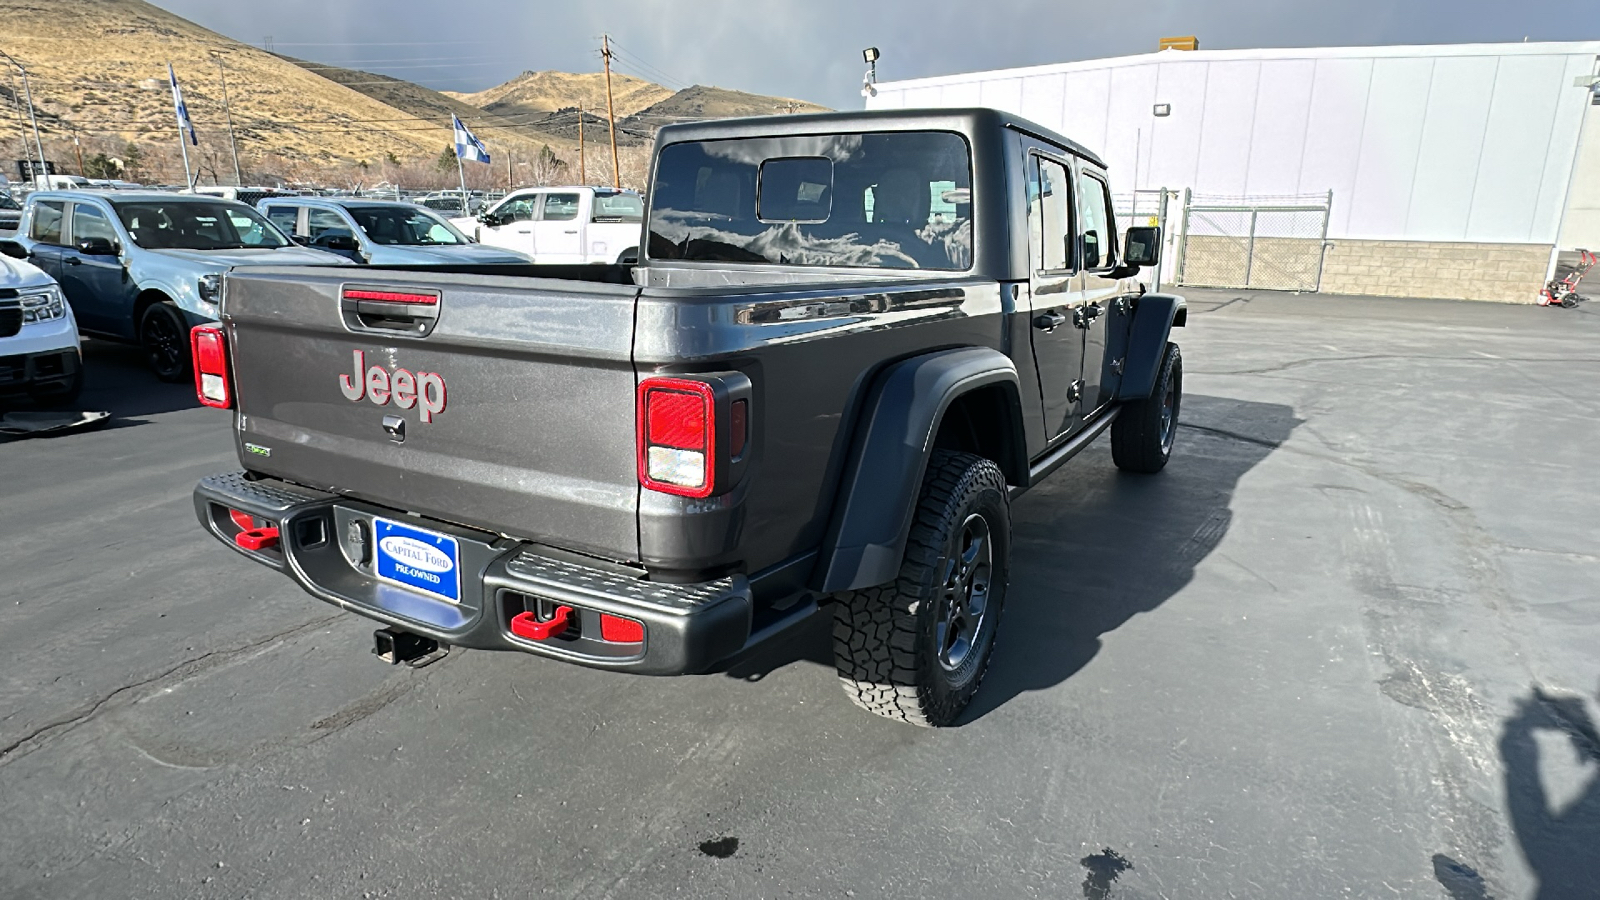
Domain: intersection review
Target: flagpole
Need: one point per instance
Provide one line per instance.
(462, 171)
(188, 179)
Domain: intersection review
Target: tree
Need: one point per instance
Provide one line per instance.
(393, 160)
(446, 160)
(547, 166)
(101, 166)
(133, 160)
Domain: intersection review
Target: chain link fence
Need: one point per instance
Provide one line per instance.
(1269, 243)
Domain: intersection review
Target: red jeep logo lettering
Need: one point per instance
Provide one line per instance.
(424, 390)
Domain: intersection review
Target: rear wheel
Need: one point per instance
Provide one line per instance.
(164, 334)
(916, 649)
(1143, 434)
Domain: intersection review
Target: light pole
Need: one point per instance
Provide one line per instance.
(28, 91)
(238, 175)
(869, 84)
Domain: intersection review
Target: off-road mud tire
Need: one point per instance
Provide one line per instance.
(885, 638)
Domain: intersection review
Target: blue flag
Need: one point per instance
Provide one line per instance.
(467, 146)
(184, 124)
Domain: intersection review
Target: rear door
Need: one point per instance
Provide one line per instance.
(1057, 342)
(501, 403)
(47, 229)
(101, 294)
(558, 232)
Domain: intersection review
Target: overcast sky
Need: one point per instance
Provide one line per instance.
(811, 49)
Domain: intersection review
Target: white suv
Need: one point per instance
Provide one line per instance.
(39, 354)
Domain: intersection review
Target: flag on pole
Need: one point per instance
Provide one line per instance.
(184, 124)
(468, 146)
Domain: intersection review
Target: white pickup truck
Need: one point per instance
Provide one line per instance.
(563, 225)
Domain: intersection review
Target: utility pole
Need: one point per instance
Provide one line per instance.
(611, 115)
(33, 117)
(583, 174)
(238, 174)
(16, 111)
(78, 147)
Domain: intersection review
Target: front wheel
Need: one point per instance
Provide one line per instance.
(1143, 434)
(165, 337)
(916, 649)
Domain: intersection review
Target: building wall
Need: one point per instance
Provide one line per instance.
(1580, 226)
(1456, 143)
(1506, 273)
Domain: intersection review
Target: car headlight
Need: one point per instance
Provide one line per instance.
(211, 287)
(43, 305)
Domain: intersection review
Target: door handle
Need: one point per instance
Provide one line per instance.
(1083, 315)
(71, 261)
(570, 231)
(1050, 321)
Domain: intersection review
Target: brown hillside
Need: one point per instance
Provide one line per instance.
(101, 66)
(701, 102)
(545, 92)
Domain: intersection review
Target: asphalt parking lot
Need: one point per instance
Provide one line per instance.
(1348, 644)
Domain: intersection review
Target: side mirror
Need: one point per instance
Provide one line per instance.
(97, 246)
(13, 250)
(490, 219)
(1143, 246)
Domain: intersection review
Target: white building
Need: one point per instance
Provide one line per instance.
(1486, 156)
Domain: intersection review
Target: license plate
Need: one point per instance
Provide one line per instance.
(418, 559)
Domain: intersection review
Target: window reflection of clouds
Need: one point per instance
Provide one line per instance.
(705, 203)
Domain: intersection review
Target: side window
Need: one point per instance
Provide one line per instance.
(89, 222)
(284, 217)
(1050, 215)
(44, 225)
(560, 207)
(321, 221)
(519, 209)
(1099, 229)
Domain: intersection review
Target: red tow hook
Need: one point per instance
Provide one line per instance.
(523, 625)
(251, 537)
(257, 538)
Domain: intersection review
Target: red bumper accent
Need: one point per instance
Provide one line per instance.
(523, 625)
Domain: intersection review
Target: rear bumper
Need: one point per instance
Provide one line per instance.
(687, 627)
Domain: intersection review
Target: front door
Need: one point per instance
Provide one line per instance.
(558, 232)
(47, 228)
(513, 228)
(98, 287)
(1097, 242)
(1057, 341)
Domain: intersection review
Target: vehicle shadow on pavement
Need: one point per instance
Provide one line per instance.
(120, 382)
(1560, 840)
(1092, 547)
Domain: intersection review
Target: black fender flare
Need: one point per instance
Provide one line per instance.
(1154, 317)
(889, 453)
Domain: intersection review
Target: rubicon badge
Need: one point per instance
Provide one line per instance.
(402, 387)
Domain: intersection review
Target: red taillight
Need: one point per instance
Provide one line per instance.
(618, 630)
(209, 350)
(676, 428)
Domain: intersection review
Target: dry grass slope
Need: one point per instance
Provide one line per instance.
(545, 92)
(100, 65)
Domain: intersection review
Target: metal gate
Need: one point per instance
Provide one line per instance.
(1149, 208)
(1269, 243)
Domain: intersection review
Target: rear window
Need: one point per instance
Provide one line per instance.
(884, 200)
(618, 208)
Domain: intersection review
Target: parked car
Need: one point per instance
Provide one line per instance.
(380, 232)
(563, 225)
(39, 354)
(145, 267)
(10, 213)
(854, 338)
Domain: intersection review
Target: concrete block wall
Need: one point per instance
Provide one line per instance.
(1505, 273)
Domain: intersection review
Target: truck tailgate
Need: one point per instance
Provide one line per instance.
(513, 398)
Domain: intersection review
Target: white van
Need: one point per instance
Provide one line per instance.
(563, 225)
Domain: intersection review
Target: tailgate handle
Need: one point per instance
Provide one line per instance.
(375, 309)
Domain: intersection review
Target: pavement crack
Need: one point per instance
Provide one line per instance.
(186, 669)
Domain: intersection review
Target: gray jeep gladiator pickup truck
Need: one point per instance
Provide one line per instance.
(850, 341)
